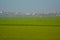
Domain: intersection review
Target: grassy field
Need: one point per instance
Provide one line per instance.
(45, 28)
(29, 32)
(31, 20)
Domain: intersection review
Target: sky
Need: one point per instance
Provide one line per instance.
(30, 5)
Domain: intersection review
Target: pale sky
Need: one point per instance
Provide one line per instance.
(30, 5)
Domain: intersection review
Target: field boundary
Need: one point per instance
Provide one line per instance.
(25, 25)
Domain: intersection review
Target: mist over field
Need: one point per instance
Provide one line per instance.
(29, 19)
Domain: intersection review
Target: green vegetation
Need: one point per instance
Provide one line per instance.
(12, 28)
(31, 20)
(29, 32)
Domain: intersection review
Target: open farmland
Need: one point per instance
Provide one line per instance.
(45, 28)
(30, 20)
(29, 32)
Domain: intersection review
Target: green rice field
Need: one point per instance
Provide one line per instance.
(33, 28)
(31, 20)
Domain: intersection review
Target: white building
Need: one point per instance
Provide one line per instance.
(27, 14)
